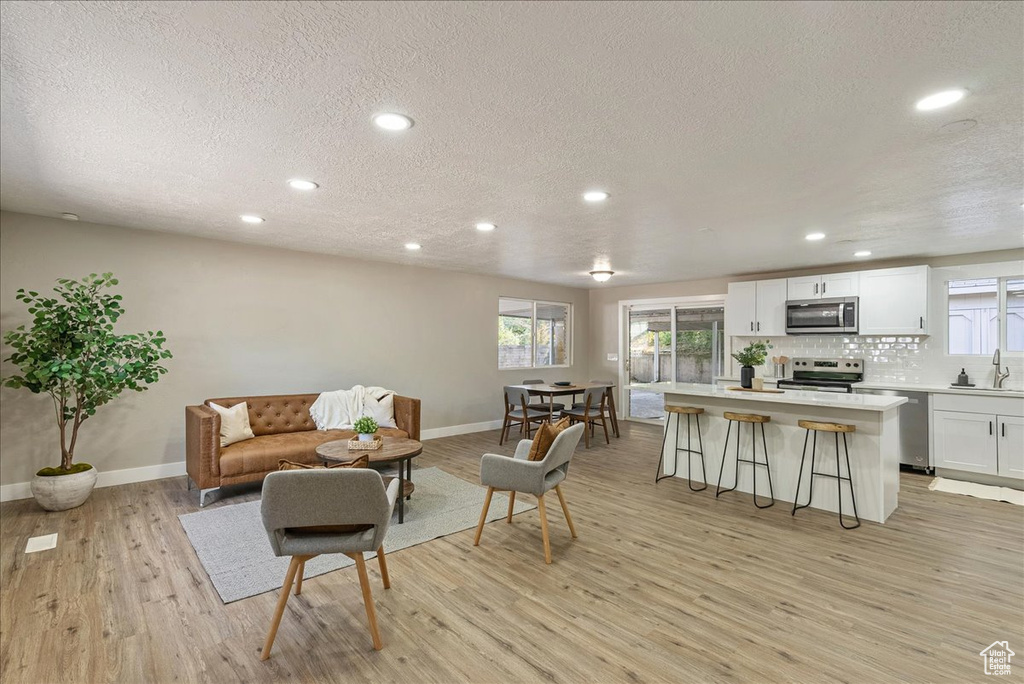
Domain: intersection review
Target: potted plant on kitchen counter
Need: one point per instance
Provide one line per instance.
(751, 355)
(71, 352)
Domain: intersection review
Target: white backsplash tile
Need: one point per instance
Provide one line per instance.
(902, 359)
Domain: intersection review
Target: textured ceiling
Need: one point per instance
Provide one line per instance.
(723, 131)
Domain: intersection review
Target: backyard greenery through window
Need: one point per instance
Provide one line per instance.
(985, 314)
(533, 334)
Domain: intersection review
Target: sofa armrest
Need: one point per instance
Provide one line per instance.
(407, 415)
(202, 446)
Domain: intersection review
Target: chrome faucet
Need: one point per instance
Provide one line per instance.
(997, 383)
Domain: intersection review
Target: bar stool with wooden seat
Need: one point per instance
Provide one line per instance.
(679, 412)
(754, 420)
(836, 429)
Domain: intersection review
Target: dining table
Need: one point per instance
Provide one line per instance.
(548, 392)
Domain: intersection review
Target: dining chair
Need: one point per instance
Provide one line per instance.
(308, 513)
(518, 474)
(518, 412)
(554, 406)
(593, 411)
(609, 384)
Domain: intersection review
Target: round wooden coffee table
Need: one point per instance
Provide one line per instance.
(398, 450)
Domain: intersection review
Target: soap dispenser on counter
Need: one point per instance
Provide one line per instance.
(962, 380)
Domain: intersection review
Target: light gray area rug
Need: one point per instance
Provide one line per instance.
(233, 547)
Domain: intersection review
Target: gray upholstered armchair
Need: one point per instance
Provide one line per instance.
(338, 510)
(516, 474)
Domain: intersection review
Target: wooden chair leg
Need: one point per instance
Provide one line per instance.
(505, 425)
(544, 528)
(298, 577)
(286, 589)
(483, 516)
(565, 510)
(383, 562)
(586, 436)
(604, 424)
(511, 505)
(371, 614)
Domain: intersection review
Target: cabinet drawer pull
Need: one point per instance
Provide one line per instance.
(815, 288)
(1003, 429)
(751, 326)
(921, 323)
(823, 286)
(759, 326)
(990, 427)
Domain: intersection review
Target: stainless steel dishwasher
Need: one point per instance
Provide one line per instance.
(913, 426)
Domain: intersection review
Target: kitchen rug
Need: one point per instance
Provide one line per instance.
(980, 491)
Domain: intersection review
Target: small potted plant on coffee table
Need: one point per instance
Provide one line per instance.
(751, 355)
(366, 427)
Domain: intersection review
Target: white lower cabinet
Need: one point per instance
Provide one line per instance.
(978, 434)
(1011, 446)
(965, 441)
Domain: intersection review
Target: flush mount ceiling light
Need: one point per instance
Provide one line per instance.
(814, 236)
(412, 246)
(300, 184)
(940, 100)
(602, 276)
(485, 227)
(68, 216)
(252, 218)
(862, 253)
(595, 195)
(390, 121)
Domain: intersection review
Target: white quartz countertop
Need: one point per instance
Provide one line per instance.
(861, 402)
(913, 387)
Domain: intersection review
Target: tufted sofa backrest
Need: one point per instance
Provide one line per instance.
(275, 414)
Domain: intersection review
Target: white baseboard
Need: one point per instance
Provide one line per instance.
(465, 429)
(23, 490)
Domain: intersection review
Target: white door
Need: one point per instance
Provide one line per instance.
(840, 284)
(1011, 446)
(771, 308)
(807, 287)
(741, 309)
(965, 441)
(894, 301)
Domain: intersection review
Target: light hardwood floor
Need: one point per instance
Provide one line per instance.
(663, 584)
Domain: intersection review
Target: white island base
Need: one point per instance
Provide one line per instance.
(874, 447)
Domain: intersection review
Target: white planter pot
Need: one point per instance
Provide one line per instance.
(366, 438)
(61, 492)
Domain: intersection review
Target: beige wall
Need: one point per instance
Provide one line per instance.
(604, 301)
(246, 320)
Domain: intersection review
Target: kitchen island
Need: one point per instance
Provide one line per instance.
(874, 447)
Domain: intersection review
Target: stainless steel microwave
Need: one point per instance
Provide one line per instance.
(833, 316)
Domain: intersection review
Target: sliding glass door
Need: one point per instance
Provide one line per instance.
(679, 343)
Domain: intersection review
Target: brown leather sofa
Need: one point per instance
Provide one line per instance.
(282, 427)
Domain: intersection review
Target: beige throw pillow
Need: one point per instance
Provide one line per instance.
(234, 423)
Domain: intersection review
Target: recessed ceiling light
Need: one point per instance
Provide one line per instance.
(862, 253)
(300, 184)
(602, 276)
(595, 196)
(68, 216)
(940, 100)
(252, 218)
(814, 236)
(390, 121)
(486, 227)
(413, 246)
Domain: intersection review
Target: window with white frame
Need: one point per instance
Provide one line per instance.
(533, 334)
(986, 314)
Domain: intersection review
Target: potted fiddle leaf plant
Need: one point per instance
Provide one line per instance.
(752, 355)
(71, 352)
(366, 427)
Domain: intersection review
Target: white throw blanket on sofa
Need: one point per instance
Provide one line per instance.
(338, 410)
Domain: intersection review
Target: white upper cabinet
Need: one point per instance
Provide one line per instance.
(807, 287)
(840, 284)
(771, 308)
(741, 308)
(756, 308)
(894, 301)
(824, 286)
